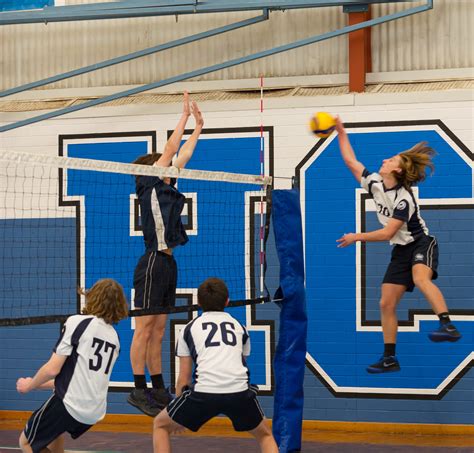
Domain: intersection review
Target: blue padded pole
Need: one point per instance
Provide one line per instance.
(289, 363)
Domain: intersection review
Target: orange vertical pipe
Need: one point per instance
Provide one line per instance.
(360, 52)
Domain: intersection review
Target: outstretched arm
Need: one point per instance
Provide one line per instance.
(383, 234)
(172, 145)
(186, 151)
(43, 377)
(347, 152)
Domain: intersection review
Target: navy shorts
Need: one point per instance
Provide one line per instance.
(193, 409)
(404, 257)
(155, 281)
(50, 421)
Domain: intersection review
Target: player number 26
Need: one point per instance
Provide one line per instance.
(227, 334)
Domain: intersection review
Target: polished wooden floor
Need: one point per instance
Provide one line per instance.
(323, 442)
(132, 434)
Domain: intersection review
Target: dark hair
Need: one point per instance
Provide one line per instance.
(413, 164)
(146, 159)
(106, 300)
(213, 294)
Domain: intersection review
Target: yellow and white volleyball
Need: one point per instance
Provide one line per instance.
(322, 124)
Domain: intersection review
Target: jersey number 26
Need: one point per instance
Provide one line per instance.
(227, 334)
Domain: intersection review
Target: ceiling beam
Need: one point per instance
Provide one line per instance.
(220, 66)
(147, 8)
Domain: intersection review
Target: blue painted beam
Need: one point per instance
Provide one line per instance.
(142, 8)
(137, 54)
(220, 66)
(110, 6)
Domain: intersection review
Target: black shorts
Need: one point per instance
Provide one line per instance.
(49, 422)
(404, 257)
(155, 281)
(193, 409)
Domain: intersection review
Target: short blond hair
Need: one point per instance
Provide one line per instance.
(106, 300)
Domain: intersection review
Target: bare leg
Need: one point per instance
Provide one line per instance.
(23, 443)
(264, 438)
(140, 343)
(57, 445)
(422, 276)
(163, 426)
(391, 296)
(153, 354)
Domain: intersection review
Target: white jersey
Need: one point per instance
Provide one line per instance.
(396, 203)
(217, 344)
(92, 347)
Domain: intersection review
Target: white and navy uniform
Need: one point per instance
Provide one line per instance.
(218, 345)
(412, 242)
(80, 389)
(156, 274)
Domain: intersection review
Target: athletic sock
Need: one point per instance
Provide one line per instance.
(389, 349)
(444, 318)
(140, 381)
(157, 381)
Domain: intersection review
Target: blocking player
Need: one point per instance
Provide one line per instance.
(156, 273)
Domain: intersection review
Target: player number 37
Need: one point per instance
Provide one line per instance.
(95, 364)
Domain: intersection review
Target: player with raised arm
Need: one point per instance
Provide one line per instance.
(79, 371)
(216, 345)
(414, 258)
(156, 274)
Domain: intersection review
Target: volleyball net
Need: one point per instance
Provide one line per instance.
(67, 222)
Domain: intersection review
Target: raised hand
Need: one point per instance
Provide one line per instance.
(339, 124)
(187, 149)
(186, 109)
(197, 114)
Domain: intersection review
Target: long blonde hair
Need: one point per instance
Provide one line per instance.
(413, 164)
(106, 300)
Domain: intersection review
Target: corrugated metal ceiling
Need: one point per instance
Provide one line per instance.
(439, 39)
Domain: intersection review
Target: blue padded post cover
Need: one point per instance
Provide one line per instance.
(289, 363)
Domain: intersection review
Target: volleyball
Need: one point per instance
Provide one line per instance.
(322, 124)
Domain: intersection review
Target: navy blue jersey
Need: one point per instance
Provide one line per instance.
(161, 205)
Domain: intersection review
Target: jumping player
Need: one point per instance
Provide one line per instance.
(155, 275)
(79, 371)
(414, 259)
(216, 344)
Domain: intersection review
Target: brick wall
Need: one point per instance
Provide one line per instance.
(336, 387)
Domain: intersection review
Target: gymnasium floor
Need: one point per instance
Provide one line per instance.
(106, 442)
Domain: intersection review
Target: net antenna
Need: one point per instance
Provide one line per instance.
(67, 222)
(262, 174)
